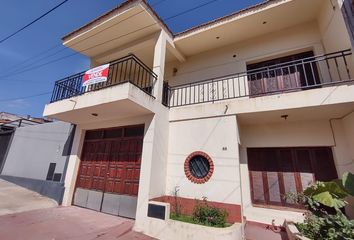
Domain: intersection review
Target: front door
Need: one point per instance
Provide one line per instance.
(108, 177)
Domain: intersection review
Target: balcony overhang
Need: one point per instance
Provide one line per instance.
(131, 21)
(312, 113)
(116, 102)
(261, 19)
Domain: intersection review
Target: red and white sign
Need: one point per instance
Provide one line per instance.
(95, 75)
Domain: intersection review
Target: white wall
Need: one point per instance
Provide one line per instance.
(33, 148)
(211, 136)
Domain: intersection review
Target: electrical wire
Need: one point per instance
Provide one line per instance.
(29, 24)
(108, 41)
(73, 54)
(25, 97)
(55, 53)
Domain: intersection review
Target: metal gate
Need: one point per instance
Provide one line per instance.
(108, 177)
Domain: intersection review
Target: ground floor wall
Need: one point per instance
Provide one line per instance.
(217, 137)
(37, 158)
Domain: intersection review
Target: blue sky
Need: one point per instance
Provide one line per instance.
(46, 34)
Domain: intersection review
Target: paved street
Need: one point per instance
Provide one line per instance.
(28, 215)
(15, 199)
(66, 223)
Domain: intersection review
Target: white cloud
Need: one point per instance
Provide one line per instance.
(8, 53)
(18, 104)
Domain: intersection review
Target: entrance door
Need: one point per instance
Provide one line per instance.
(274, 172)
(108, 177)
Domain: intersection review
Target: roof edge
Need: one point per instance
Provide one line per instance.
(127, 4)
(130, 3)
(224, 18)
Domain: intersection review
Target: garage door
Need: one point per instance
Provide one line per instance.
(108, 177)
(274, 172)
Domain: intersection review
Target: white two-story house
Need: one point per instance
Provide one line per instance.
(240, 110)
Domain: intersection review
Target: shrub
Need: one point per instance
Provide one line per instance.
(324, 201)
(331, 227)
(208, 215)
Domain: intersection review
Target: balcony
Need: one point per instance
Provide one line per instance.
(127, 92)
(127, 69)
(297, 75)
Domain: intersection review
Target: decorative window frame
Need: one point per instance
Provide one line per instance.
(188, 173)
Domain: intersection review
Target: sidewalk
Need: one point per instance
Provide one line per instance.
(66, 223)
(14, 199)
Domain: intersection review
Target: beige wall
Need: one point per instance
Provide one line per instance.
(212, 136)
(332, 28)
(348, 123)
(334, 33)
(344, 151)
(220, 62)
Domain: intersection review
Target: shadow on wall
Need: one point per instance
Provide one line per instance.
(69, 142)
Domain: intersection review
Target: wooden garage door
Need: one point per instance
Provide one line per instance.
(274, 172)
(111, 160)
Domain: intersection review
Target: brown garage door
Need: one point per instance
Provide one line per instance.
(274, 172)
(110, 168)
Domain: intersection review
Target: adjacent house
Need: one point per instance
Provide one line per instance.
(240, 110)
(34, 153)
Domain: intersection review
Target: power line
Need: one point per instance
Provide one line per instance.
(67, 56)
(113, 39)
(190, 10)
(29, 24)
(31, 64)
(18, 66)
(26, 97)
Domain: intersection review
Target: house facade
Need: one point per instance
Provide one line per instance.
(240, 110)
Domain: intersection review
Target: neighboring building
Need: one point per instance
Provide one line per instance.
(241, 110)
(34, 153)
(8, 117)
(8, 123)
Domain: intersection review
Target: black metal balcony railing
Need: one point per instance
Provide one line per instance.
(127, 69)
(301, 74)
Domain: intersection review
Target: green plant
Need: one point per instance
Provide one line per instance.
(331, 226)
(208, 215)
(324, 201)
(177, 204)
